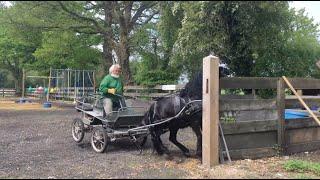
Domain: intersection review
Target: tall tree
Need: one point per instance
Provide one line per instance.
(17, 44)
(156, 47)
(233, 30)
(113, 21)
(65, 49)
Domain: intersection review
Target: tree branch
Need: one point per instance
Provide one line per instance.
(139, 12)
(78, 16)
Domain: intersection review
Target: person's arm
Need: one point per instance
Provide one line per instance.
(119, 88)
(104, 85)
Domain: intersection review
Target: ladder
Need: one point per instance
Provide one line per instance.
(222, 141)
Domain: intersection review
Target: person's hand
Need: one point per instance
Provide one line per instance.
(112, 91)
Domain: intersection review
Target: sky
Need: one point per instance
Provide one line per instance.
(312, 8)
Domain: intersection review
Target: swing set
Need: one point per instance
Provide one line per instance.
(68, 84)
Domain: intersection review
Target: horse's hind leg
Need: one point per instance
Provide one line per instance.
(197, 129)
(173, 139)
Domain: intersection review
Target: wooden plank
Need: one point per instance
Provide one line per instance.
(247, 104)
(267, 83)
(281, 115)
(255, 153)
(248, 83)
(303, 147)
(305, 83)
(234, 96)
(303, 97)
(249, 127)
(255, 115)
(301, 100)
(303, 135)
(300, 123)
(294, 103)
(210, 111)
(145, 94)
(251, 140)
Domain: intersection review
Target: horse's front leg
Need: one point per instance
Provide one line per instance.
(196, 127)
(157, 142)
(173, 139)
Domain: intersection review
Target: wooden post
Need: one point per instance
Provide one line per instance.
(23, 78)
(82, 83)
(281, 116)
(94, 83)
(210, 110)
(49, 86)
(254, 94)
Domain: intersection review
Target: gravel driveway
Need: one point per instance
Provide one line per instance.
(38, 144)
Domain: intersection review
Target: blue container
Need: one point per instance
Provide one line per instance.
(292, 114)
(47, 105)
(21, 101)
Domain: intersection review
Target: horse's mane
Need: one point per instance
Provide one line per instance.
(193, 89)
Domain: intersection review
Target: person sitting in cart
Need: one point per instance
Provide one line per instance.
(110, 87)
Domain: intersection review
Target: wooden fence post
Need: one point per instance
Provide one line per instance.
(23, 81)
(281, 116)
(210, 110)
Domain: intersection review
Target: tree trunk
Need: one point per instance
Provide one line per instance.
(107, 37)
(107, 56)
(124, 54)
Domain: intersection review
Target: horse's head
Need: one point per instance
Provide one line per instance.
(223, 71)
(193, 89)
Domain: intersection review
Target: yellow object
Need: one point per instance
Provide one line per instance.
(52, 90)
(112, 91)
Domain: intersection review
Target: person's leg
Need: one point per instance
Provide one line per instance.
(107, 105)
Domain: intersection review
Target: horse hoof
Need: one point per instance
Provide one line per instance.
(168, 157)
(187, 154)
(179, 161)
(199, 154)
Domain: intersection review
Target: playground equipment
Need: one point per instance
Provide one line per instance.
(65, 84)
(71, 84)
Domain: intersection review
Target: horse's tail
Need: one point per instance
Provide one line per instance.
(149, 115)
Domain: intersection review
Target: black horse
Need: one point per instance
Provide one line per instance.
(170, 106)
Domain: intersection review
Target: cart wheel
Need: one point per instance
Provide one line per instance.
(77, 130)
(99, 139)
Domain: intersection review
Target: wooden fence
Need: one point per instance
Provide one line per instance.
(129, 91)
(150, 92)
(259, 128)
(62, 93)
(7, 92)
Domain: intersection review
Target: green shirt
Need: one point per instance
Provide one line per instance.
(109, 82)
